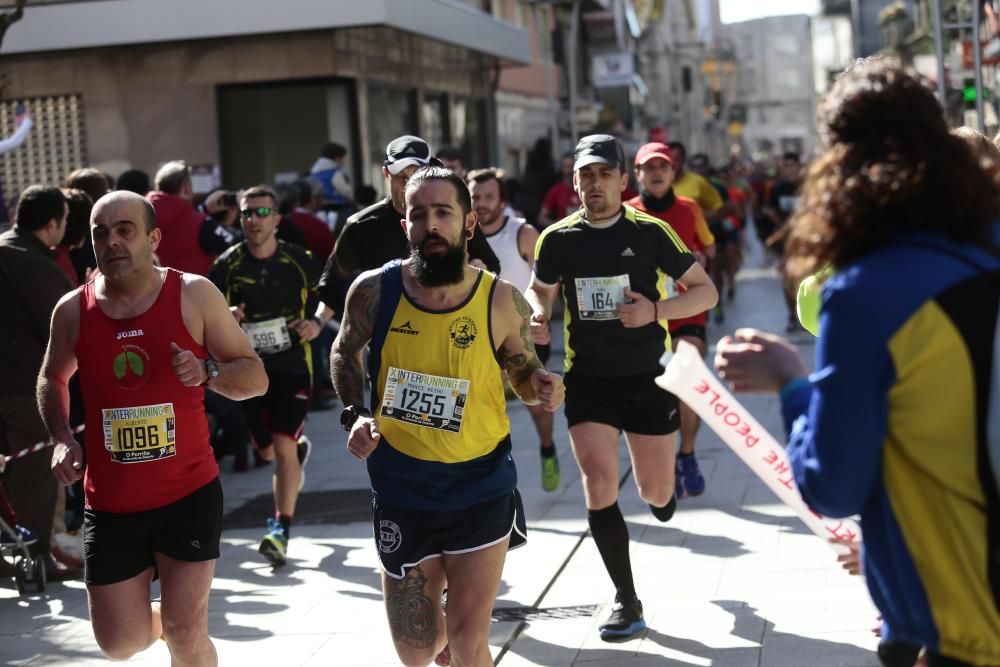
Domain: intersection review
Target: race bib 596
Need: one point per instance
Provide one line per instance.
(269, 336)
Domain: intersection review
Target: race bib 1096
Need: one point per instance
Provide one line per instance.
(425, 400)
(139, 434)
(598, 298)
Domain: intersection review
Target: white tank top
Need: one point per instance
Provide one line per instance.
(513, 268)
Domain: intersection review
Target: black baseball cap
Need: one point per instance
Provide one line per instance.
(405, 151)
(602, 148)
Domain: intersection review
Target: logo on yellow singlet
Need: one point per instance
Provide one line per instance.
(462, 332)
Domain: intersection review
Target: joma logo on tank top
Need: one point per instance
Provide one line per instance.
(129, 334)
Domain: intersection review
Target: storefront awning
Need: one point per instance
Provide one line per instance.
(101, 23)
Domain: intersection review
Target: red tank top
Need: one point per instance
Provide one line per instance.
(147, 437)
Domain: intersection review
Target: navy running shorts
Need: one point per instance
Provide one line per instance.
(119, 546)
(405, 538)
(634, 404)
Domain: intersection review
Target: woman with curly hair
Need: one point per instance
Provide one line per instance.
(900, 422)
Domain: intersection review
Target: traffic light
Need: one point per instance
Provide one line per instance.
(969, 93)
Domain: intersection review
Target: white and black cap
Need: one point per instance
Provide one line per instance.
(405, 151)
(599, 148)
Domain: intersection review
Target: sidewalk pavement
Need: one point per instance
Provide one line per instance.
(733, 579)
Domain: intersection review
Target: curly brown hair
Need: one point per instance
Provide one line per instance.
(890, 165)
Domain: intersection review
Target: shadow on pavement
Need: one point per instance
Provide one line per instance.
(336, 567)
(660, 535)
(788, 524)
(778, 647)
(219, 625)
(795, 648)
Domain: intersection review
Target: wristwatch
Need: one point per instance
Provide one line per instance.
(351, 414)
(212, 370)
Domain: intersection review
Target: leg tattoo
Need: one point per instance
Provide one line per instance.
(412, 614)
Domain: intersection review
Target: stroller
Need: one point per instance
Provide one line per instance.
(29, 572)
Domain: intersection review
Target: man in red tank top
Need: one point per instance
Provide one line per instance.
(654, 169)
(146, 341)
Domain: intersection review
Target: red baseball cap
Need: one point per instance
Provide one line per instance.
(651, 150)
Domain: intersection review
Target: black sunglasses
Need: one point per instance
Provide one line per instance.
(260, 212)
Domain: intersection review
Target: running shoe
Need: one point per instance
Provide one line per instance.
(303, 448)
(27, 537)
(689, 479)
(550, 472)
(625, 621)
(275, 543)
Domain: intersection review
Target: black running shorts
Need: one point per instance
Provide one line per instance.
(634, 404)
(119, 546)
(281, 410)
(543, 352)
(405, 538)
(690, 330)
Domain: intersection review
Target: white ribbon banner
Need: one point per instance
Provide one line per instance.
(687, 377)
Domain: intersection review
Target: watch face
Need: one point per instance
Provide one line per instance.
(346, 417)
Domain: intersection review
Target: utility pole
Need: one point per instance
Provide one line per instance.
(545, 53)
(574, 36)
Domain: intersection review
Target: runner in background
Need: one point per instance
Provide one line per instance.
(655, 172)
(513, 240)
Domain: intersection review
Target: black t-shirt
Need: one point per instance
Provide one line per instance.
(281, 287)
(591, 264)
(784, 197)
(372, 237)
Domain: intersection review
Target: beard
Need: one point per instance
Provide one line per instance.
(437, 270)
(490, 216)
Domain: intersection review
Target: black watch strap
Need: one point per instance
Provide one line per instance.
(351, 414)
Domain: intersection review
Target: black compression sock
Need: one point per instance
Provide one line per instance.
(286, 522)
(665, 513)
(548, 451)
(611, 536)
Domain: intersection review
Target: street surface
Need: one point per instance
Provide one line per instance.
(733, 579)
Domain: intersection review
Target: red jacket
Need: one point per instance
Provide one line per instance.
(319, 238)
(180, 224)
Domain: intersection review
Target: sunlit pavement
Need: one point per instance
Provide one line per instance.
(733, 579)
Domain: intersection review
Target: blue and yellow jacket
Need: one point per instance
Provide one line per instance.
(897, 425)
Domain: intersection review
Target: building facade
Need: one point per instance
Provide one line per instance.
(250, 90)
(776, 83)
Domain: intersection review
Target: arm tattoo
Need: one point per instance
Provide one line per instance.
(413, 619)
(346, 366)
(521, 364)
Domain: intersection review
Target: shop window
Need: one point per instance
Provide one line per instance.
(436, 130)
(469, 132)
(392, 112)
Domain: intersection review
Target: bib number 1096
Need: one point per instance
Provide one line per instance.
(140, 433)
(138, 437)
